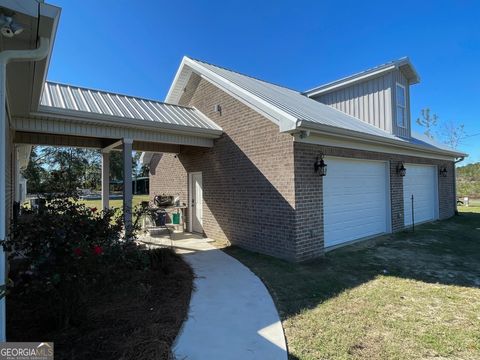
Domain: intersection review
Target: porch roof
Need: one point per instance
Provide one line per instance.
(62, 98)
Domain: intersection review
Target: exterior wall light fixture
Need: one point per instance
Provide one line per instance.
(443, 171)
(320, 166)
(401, 170)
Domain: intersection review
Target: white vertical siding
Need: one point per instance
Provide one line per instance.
(367, 101)
(372, 101)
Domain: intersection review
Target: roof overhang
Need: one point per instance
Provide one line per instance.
(320, 129)
(188, 66)
(403, 64)
(25, 79)
(108, 120)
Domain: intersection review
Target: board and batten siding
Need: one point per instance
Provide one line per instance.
(372, 101)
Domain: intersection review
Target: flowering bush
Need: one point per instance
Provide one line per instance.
(65, 250)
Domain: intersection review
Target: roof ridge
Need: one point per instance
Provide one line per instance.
(373, 69)
(118, 94)
(248, 76)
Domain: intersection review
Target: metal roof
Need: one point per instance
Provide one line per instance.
(292, 103)
(89, 102)
(290, 109)
(404, 64)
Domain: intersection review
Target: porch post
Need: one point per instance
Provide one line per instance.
(105, 179)
(3, 204)
(127, 185)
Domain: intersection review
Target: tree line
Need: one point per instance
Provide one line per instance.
(60, 169)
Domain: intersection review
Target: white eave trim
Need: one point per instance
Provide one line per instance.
(352, 79)
(101, 119)
(284, 120)
(374, 139)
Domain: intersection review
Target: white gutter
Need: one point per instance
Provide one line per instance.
(377, 139)
(5, 57)
(455, 181)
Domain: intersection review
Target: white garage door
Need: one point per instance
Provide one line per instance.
(421, 182)
(355, 200)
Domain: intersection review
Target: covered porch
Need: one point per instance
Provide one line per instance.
(85, 118)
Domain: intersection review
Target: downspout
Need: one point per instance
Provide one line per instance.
(455, 181)
(5, 57)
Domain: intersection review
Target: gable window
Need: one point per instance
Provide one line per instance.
(401, 106)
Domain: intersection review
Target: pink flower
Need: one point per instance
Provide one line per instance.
(97, 250)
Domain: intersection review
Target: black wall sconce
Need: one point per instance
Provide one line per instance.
(320, 166)
(401, 169)
(443, 171)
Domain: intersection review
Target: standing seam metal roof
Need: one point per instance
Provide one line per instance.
(302, 108)
(294, 103)
(83, 100)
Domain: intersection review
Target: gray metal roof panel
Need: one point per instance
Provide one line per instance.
(301, 107)
(74, 98)
(294, 103)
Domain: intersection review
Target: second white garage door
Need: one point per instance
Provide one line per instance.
(355, 200)
(421, 182)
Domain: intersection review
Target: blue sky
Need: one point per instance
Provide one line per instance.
(135, 47)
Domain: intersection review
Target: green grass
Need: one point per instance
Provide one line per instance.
(137, 199)
(402, 296)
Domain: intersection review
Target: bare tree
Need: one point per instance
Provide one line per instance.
(453, 134)
(427, 121)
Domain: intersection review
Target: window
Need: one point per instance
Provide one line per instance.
(401, 106)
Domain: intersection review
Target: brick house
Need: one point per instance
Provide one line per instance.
(260, 185)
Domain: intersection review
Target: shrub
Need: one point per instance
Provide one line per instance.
(67, 249)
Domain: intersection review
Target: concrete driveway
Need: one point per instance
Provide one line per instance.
(232, 315)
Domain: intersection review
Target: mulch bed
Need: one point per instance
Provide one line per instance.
(136, 318)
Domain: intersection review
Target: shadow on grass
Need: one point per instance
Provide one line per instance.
(445, 252)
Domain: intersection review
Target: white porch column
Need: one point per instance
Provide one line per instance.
(105, 179)
(127, 185)
(3, 205)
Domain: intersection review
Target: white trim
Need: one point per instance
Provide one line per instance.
(344, 83)
(190, 210)
(82, 116)
(389, 212)
(388, 202)
(436, 210)
(61, 126)
(404, 125)
(355, 144)
(364, 75)
(281, 118)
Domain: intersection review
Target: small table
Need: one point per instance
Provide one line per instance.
(179, 210)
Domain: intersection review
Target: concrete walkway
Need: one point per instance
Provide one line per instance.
(232, 315)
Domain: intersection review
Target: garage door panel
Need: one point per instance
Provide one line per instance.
(355, 200)
(420, 180)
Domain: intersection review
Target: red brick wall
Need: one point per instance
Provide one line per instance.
(260, 191)
(308, 186)
(248, 187)
(168, 176)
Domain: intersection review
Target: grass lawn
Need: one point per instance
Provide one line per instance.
(401, 296)
(137, 199)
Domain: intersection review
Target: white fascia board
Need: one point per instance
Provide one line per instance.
(337, 84)
(285, 121)
(352, 79)
(170, 98)
(86, 117)
(352, 139)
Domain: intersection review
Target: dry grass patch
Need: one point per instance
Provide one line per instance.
(402, 296)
